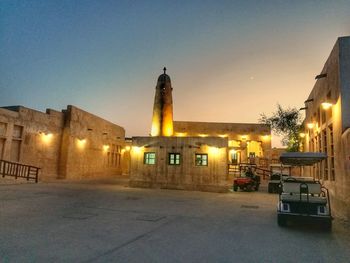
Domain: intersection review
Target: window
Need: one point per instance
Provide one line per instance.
(17, 131)
(331, 155)
(3, 128)
(149, 158)
(174, 159)
(325, 150)
(201, 159)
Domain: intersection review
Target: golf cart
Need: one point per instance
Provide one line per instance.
(247, 181)
(303, 198)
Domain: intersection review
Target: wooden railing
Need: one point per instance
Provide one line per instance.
(19, 170)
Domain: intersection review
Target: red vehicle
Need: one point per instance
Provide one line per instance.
(247, 182)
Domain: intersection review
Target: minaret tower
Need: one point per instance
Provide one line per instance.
(162, 121)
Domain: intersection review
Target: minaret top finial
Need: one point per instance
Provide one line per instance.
(164, 69)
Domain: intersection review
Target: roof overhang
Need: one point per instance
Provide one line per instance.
(302, 158)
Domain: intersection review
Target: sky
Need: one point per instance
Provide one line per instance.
(229, 61)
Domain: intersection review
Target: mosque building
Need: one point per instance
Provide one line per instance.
(193, 155)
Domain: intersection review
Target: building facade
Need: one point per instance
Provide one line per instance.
(327, 126)
(193, 155)
(71, 144)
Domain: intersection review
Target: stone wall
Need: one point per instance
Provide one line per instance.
(331, 126)
(91, 146)
(72, 144)
(186, 175)
(32, 137)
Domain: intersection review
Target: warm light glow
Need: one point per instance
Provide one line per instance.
(326, 105)
(244, 137)
(266, 137)
(302, 135)
(203, 135)
(127, 148)
(46, 137)
(136, 149)
(181, 134)
(214, 150)
(81, 143)
(168, 129)
(234, 143)
(310, 125)
(223, 135)
(105, 147)
(233, 151)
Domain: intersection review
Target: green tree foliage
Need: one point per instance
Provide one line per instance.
(286, 123)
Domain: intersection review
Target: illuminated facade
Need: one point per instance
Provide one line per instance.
(193, 155)
(72, 144)
(162, 120)
(327, 125)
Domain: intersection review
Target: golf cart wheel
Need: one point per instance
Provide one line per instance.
(281, 221)
(327, 225)
(269, 189)
(235, 188)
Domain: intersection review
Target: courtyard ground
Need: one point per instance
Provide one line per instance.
(109, 222)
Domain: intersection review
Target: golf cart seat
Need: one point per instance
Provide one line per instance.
(296, 197)
(304, 192)
(297, 187)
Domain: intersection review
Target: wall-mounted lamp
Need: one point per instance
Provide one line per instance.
(320, 76)
(81, 143)
(302, 135)
(266, 137)
(105, 147)
(203, 135)
(326, 105)
(127, 148)
(46, 137)
(136, 149)
(309, 100)
(310, 125)
(214, 150)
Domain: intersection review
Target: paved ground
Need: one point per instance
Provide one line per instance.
(61, 222)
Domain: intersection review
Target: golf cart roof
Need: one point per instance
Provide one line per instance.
(302, 158)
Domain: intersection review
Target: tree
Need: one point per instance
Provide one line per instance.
(286, 123)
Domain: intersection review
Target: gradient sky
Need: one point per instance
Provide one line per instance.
(229, 61)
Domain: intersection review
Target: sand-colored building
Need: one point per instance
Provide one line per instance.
(67, 144)
(327, 125)
(193, 155)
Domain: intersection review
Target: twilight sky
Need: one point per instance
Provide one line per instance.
(228, 61)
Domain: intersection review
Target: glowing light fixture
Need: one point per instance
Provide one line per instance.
(81, 143)
(223, 135)
(181, 134)
(310, 125)
(203, 135)
(326, 105)
(214, 150)
(46, 137)
(105, 148)
(266, 137)
(136, 149)
(302, 135)
(244, 137)
(127, 148)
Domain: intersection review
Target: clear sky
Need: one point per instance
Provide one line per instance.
(228, 61)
